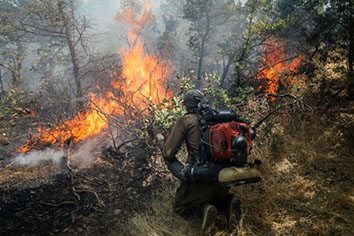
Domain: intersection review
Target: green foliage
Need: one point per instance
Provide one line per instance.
(220, 97)
(255, 19)
(327, 84)
(243, 100)
(264, 17)
(249, 107)
(215, 93)
(323, 22)
(165, 115)
(12, 103)
(263, 26)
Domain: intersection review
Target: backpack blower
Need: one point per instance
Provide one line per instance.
(227, 141)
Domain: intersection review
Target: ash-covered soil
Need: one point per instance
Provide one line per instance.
(98, 199)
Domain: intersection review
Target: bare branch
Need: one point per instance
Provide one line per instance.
(124, 143)
(57, 205)
(7, 67)
(290, 96)
(296, 100)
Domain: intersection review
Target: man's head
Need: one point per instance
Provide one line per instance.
(192, 98)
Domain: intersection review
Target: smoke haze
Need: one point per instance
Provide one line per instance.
(82, 155)
(111, 35)
(35, 157)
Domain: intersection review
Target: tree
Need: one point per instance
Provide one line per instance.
(205, 16)
(322, 29)
(60, 30)
(256, 22)
(342, 12)
(13, 42)
(328, 23)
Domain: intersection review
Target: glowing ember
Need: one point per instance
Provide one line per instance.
(144, 76)
(275, 66)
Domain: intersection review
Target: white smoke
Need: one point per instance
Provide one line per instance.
(35, 157)
(79, 156)
(83, 154)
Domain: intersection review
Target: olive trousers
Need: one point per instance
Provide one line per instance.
(191, 198)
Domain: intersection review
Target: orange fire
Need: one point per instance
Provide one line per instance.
(275, 67)
(143, 80)
(82, 126)
(144, 74)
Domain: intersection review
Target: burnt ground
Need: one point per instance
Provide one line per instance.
(95, 200)
(104, 197)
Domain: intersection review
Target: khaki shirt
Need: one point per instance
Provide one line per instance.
(186, 128)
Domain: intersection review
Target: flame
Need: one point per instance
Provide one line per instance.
(144, 77)
(137, 23)
(144, 73)
(275, 65)
(84, 125)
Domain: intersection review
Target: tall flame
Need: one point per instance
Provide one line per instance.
(144, 74)
(144, 77)
(275, 65)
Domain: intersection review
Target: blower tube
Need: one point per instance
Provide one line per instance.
(187, 172)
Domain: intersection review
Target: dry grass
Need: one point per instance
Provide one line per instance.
(307, 186)
(160, 220)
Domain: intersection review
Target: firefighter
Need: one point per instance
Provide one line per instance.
(197, 196)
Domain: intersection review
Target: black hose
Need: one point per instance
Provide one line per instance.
(197, 174)
(175, 167)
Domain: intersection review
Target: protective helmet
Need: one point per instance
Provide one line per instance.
(192, 98)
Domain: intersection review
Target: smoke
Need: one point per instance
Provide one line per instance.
(35, 157)
(108, 32)
(81, 155)
(110, 36)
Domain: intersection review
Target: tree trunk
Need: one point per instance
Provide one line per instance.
(18, 78)
(17, 72)
(73, 56)
(201, 57)
(226, 70)
(351, 44)
(204, 39)
(1, 84)
(238, 77)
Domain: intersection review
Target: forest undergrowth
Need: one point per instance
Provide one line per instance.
(307, 186)
(99, 98)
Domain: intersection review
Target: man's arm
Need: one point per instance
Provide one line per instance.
(174, 141)
(180, 171)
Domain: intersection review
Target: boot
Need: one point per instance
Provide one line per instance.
(235, 213)
(209, 216)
